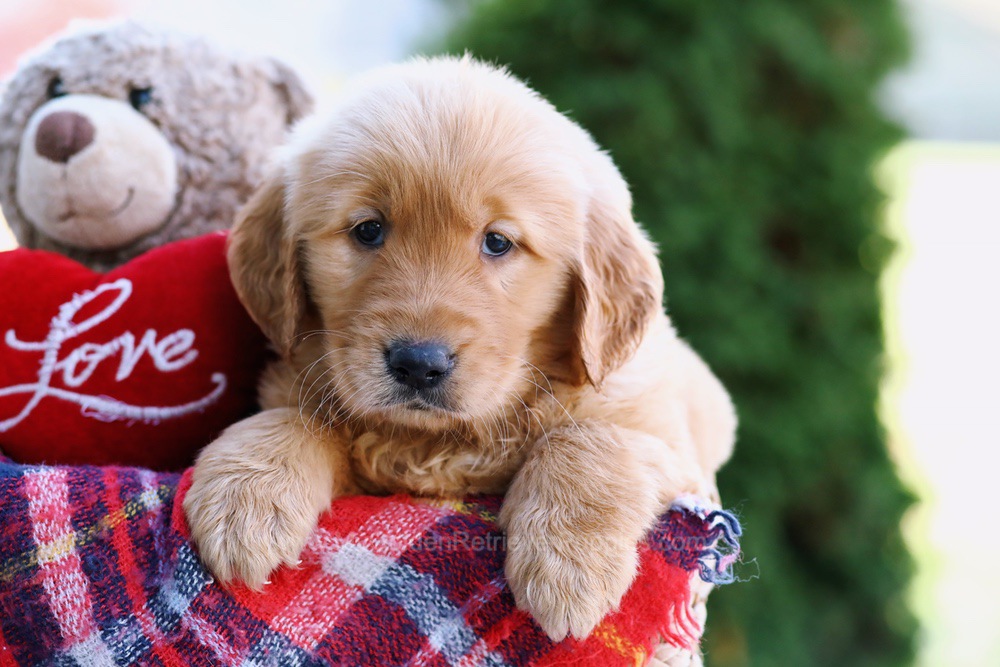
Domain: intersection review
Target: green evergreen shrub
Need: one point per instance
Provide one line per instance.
(748, 131)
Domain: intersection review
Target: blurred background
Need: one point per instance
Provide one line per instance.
(824, 180)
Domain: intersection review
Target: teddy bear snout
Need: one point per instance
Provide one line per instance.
(63, 134)
(95, 173)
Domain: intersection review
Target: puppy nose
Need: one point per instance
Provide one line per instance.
(63, 134)
(419, 365)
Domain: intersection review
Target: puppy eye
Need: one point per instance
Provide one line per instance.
(56, 88)
(140, 97)
(495, 244)
(369, 232)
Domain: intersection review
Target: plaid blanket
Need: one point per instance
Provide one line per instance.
(96, 568)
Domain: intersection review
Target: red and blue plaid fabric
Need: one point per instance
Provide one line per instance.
(96, 568)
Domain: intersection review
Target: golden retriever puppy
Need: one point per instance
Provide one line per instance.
(463, 303)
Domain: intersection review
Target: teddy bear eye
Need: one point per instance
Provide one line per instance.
(56, 88)
(140, 97)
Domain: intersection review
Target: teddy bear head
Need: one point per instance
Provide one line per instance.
(120, 138)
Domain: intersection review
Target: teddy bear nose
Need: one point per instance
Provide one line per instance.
(63, 134)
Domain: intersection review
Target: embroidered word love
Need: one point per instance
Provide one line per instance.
(167, 354)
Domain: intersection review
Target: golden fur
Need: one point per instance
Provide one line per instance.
(570, 391)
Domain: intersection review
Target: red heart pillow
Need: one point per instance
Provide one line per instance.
(140, 366)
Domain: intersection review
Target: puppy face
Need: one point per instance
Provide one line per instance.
(457, 242)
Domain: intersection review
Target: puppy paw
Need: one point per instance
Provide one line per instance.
(569, 582)
(255, 497)
(244, 533)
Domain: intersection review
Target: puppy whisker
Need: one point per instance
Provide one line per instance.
(305, 335)
(532, 414)
(298, 382)
(333, 175)
(309, 393)
(550, 392)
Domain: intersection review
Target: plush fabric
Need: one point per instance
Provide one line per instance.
(96, 569)
(220, 113)
(108, 197)
(140, 366)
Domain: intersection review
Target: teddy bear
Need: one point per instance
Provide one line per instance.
(125, 150)
(119, 138)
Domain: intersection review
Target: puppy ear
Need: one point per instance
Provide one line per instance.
(264, 265)
(619, 286)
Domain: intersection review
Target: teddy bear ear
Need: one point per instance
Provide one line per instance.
(12, 121)
(292, 90)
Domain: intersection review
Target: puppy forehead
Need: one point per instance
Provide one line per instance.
(459, 147)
